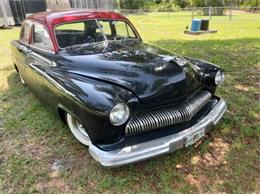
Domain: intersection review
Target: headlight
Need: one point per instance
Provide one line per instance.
(219, 77)
(119, 114)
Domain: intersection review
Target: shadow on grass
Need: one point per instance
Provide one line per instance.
(215, 165)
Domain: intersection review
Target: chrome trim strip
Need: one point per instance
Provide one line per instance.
(149, 149)
(55, 83)
(37, 56)
(44, 50)
(167, 116)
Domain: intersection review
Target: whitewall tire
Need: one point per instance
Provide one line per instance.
(78, 130)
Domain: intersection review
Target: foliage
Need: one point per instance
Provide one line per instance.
(157, 4)
(135, 4)
(215, 6)
(247, 3)
(206, 3)
(171, 4)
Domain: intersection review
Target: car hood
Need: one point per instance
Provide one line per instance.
(148, 71)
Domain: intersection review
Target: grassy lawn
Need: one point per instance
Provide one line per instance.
(38, 153)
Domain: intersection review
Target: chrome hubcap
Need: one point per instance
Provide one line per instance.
(78, 130)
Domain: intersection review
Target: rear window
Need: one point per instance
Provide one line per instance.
(41, 38)
(71, 27)
(25, 33)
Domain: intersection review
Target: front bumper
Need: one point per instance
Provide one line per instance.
(149, 149)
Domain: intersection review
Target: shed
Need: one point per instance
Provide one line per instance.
(6, 16)
(93, 4)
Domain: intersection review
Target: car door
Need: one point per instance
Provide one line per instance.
(23, 48)
(40, 58)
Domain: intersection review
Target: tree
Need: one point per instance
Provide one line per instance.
(182, 3)
(132, 4)
(208, 3)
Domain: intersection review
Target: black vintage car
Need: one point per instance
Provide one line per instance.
(127, 100)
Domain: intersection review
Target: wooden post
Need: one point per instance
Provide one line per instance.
(118, 4)
(230, 14)
(210, 10)
(193, 12)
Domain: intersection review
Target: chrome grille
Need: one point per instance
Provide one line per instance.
(156, 119)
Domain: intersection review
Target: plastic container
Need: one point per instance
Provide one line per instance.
(204, 24)
(195, 24)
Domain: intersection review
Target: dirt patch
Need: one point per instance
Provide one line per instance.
(215, 155)
(257, 190)
(57, 184)
(198, 181)
(35, 150)
(212, 159)
(9, 147)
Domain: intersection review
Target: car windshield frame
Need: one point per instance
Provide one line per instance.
(137, 36)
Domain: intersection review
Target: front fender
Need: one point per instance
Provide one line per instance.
(204, 66)
(206, 72)
(91, 102)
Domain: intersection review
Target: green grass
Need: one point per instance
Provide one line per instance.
(33, 140)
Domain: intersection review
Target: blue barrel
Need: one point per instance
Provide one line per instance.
(195, 24)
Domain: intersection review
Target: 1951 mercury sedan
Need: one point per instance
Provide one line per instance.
(127, 100)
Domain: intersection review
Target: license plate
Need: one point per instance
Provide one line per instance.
(193, 138)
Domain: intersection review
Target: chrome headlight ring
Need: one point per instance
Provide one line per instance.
(119, 114)
(219, 77)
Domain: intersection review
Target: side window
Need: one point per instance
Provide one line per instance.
(105, 27)
(121, 29)
(25, 33)
(41, 38)
(130, 32)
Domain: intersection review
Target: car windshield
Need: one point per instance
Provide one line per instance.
(93, 31)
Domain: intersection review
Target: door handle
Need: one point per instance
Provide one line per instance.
(24, 49)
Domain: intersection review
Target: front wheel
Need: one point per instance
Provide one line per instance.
(78, 130)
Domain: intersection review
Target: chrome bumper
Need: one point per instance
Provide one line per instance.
(158, 146)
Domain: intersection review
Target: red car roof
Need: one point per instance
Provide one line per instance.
(52, 18)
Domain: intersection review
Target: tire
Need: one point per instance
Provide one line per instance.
(78, 130)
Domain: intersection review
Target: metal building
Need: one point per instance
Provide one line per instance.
(15, 11)
(58, 4)
(93, 4)
(6, 17)
(22, 8)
